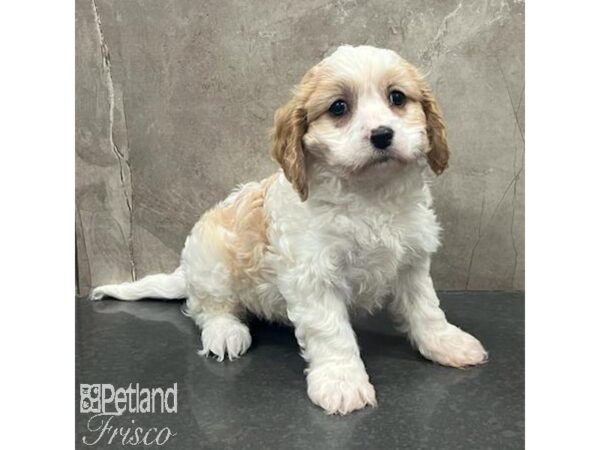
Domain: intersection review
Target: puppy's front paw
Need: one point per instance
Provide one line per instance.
(339, 388)
(452, 347)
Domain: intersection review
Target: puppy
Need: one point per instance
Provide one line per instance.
(346, 224)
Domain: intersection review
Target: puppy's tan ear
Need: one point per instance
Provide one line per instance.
(436, 132)
(290, 127)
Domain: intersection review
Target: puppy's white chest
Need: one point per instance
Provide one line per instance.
(380, 245)
(370, 275)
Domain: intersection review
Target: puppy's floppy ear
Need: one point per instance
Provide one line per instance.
(436, 131)
(290, 126)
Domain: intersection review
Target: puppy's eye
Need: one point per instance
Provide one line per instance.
(338, 108)
(397, 98)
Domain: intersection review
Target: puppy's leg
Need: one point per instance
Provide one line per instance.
(209, 262)
(336, 376)
(223, 333)
(416, 309)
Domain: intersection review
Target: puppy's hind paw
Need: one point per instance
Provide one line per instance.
(223, 336)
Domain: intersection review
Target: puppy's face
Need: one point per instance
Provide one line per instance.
(361, 112)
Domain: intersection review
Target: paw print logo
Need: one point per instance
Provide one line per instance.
(89, 395)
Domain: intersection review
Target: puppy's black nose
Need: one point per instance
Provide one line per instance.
(381, 137)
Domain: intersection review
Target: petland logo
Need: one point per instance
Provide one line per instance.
(105, 403)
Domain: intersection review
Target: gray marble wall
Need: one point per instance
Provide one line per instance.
(175, 97)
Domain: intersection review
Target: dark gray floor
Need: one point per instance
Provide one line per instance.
(259, 401)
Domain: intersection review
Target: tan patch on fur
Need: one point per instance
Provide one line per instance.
(438, 154)
(239, 231)
(291, 123)
(328, 90)
(403, 77)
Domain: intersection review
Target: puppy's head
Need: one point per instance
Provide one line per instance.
(360, 112)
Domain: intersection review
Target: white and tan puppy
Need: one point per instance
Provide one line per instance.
(346, 224)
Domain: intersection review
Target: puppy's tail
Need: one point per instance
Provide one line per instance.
(162, 285)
